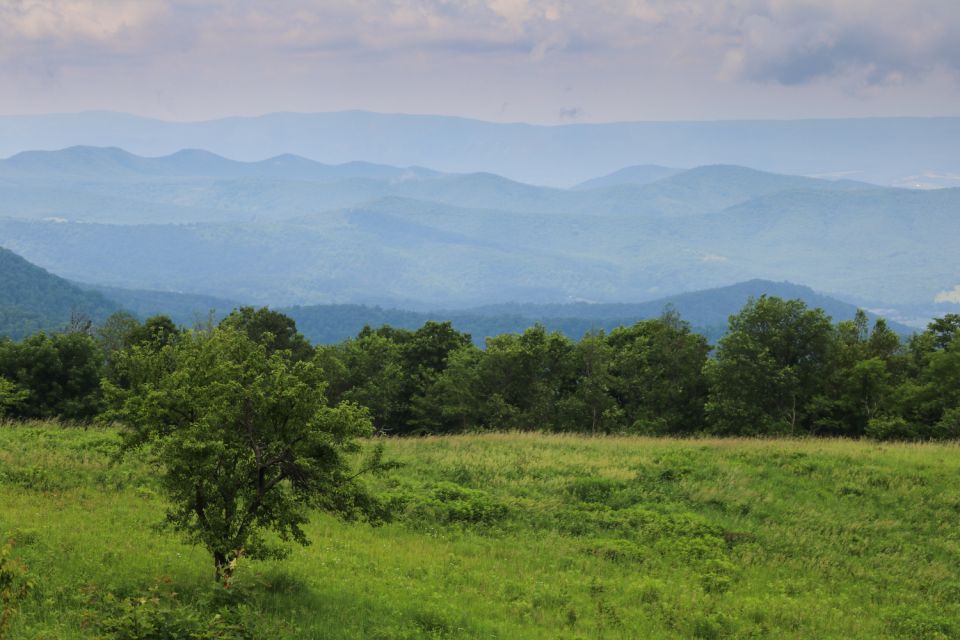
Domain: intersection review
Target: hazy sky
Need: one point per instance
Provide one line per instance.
(547, 61)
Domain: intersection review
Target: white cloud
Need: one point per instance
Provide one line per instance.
(952, 295)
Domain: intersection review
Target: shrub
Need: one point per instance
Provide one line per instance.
(15, 583)
(449, 503)
(593, 489)
(948, 428)
(159, 615)
(890, 428)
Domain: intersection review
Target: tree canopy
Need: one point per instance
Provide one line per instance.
(245, 439)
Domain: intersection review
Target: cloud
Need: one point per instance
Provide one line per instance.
(858, 45)
(870, 42)
(570, 113)
(788, 42)
(712, 257)
(952, 295)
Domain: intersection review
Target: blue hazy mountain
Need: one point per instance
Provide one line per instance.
(886, 245)
(881, 150)
(417, 237)
(637, 174)
(86, 184)
(32, 299)
(110, 164)
(707, 311)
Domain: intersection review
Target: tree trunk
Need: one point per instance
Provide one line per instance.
(221, 567)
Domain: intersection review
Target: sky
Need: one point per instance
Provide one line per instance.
(541, 61)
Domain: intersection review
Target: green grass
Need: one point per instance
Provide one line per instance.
(523, 536)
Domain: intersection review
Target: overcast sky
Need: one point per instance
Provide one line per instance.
(545, 61)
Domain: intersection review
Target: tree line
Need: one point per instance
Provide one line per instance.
(781, 369)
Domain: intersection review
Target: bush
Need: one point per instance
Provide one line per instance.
(15, 583)
(594, 490)
(891, 428)
(160, 616)
(897, 428)
(618, 550)
(449, 503)
(949, 426)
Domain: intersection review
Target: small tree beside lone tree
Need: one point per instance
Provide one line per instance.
(245, 441)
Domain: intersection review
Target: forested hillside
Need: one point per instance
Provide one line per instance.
(32, 299)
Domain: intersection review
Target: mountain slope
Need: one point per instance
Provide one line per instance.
(184, 309)
(637, 174)
(32, 299)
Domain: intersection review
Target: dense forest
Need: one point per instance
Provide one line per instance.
(781, 368)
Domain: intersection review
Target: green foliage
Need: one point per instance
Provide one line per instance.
(525, 376)
(448, 503)
(245, 441)
(15, 584)
(782, 368)
(393, 372)
(10, 396)
(658, 375)
(160, 614)
(55, 376)
(33, 300)
(891, 428)
(768, 368)
(271, 328)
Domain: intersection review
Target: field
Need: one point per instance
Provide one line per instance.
(515, 536)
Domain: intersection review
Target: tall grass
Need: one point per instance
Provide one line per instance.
(523, 536)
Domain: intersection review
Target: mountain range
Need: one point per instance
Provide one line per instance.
(888, 151)
(409, 237)
(32, 299)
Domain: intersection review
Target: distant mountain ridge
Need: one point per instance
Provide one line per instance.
(32, 299)
(111, 163)
(880, 150)
(87, 184)
(707, 311)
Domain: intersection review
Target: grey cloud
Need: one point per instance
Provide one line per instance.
(758, 40)
(525, 51)
(868, 42)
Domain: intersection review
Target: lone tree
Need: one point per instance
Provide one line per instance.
(245, 441)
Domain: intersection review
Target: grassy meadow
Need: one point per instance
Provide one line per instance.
(514, 536)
